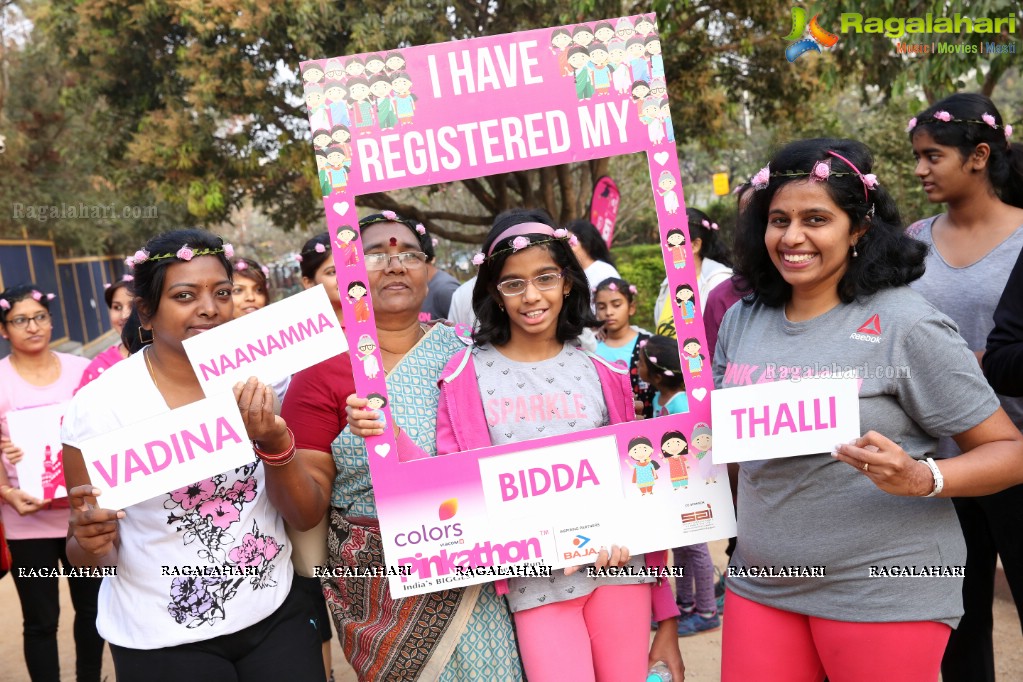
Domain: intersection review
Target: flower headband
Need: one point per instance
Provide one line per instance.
(35, 294)
(945, 117)
(522, 238)
(185, 253)
(392, 217)
(125, 279)
(820, 172)
(653, 361)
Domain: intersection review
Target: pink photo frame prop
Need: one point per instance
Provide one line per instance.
(477, 107)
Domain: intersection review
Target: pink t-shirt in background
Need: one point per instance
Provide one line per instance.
(16, 393)
(101, 363)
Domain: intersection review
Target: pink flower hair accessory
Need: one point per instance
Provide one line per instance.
(520, 243)
(128, 278)
(298, 258)
(762, 178)
(229, 251)
(5, 304)
(265, 270)
(573, 241)
(560, 233)
(420, 228)
(390, 215)
(911, 125)
(241, 265)
(185, 253)
(478, 259)
(943, 116)
(821, 171)
(612, 286)
(319, 248)
(106, 285)
(1008, 132)
(37, 295)
(989, 119)
(50, 297)
(633, 290)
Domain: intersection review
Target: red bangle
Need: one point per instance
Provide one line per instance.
(277, 460)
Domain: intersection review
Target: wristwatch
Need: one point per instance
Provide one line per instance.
(939, 480)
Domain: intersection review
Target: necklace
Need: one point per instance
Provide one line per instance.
(149, 366)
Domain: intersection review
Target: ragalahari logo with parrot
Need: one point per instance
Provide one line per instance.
(806, 36)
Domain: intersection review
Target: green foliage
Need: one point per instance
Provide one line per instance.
(642, 265)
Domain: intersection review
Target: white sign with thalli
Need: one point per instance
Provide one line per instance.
(784, 418)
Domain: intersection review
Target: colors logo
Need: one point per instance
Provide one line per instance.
(447, 510)
(818, 38)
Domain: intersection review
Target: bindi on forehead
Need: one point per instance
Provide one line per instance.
(393, 241)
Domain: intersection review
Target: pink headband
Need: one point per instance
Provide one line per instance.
(869, 180)
(520, 229)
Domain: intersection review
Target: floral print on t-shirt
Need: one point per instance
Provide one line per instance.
(204, 513)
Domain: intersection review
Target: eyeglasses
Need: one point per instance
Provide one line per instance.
(41, 320)
(410, 260)
(544, 282)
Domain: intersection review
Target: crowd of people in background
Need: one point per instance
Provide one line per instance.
(820, 253)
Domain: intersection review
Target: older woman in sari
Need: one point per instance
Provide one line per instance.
(458, 634)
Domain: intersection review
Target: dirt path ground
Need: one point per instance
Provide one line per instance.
(702, 653)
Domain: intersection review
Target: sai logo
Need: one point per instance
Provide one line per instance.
(818, 38)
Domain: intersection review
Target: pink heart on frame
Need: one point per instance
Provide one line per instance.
(661, 158)
(383, 449)
(341, 208)
(700, 393)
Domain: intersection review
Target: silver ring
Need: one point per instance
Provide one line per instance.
(866, 466)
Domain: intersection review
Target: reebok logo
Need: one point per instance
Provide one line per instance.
(869, 331)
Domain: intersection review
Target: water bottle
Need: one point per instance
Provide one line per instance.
(659, 673)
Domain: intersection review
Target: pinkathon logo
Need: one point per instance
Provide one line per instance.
(483, 554)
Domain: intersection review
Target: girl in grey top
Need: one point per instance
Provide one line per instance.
(967, 163)
(822, 247)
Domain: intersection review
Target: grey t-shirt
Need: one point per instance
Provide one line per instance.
(969, 296)
(523, 401)
(919, 381)
(438, 295)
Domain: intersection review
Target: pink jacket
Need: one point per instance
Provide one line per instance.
(462, 425)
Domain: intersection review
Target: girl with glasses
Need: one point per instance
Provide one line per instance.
(531, 297)
(31, 376)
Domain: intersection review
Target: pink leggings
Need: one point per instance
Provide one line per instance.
(770, 645)
(604, 636)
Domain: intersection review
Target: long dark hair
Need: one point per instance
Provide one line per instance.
(702, 227)
(590, 240)
(887, 257)
(967, 129)
(494, 326)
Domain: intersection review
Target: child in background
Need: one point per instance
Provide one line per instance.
(694, 592)
(616, 304)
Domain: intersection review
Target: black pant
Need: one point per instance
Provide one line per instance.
(992, 526)
(40, 611)
(283, 646)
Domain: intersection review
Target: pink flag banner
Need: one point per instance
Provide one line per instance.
(604, 207)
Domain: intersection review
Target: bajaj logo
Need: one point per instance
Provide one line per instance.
(818, 38)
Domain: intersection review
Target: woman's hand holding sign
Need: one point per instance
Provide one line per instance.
(256, 403)
(95, 530)
(886, 464)
(364, 421)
